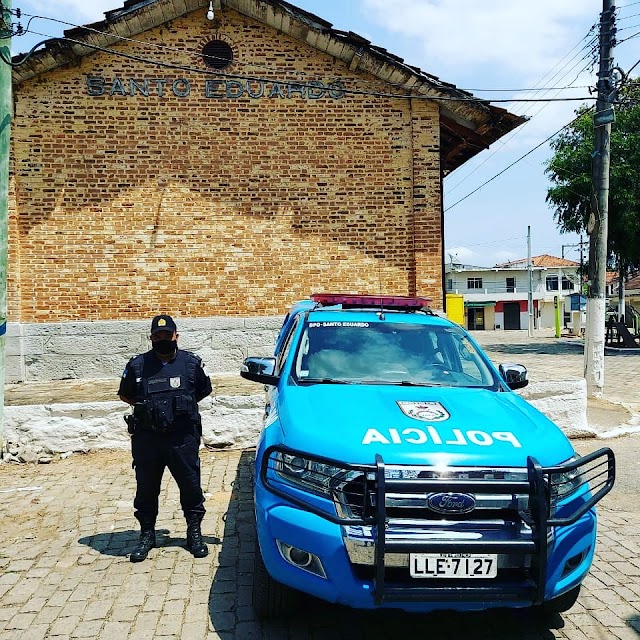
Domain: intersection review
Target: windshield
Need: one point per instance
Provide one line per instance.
(389, 353)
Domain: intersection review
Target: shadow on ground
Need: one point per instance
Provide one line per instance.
(231, 615)
(121, 543)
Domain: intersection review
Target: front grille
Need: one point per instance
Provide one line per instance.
(407, 492)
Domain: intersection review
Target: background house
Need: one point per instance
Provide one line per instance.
(497, 297)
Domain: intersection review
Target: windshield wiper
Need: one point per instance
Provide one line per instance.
(325, 381)
(404, 383)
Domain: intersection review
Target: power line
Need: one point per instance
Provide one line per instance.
(213, 57)
(252, 64)
(633, 26)
(635, 35)
(503, 142)
(343, 89)
(346, 90)
(534, 89)
(512, 164)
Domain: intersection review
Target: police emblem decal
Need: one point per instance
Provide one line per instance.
(174, 383)
(425, 411)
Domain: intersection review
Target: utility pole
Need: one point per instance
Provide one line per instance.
(559, 299)
(530, 269)
(5, 139)
(598, 222)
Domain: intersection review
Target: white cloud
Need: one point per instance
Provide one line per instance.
(75, 11)
(501, 36)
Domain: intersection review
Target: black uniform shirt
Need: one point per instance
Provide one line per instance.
(152, 365)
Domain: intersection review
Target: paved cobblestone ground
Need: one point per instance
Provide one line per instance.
(549, 358)
(66, 530)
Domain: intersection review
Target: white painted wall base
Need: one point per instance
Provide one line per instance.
(40, 433)
(564, 402)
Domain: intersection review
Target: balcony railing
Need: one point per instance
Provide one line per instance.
(495, 289)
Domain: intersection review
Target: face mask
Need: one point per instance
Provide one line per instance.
(164, 347)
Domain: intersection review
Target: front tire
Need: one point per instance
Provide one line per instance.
(271, 599)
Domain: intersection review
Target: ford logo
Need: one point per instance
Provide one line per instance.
(451, 502)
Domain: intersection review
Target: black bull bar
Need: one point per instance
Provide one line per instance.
(588, 478)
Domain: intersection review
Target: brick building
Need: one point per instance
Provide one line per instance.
(165, 161)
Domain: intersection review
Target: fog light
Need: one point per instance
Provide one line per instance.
(301, 559)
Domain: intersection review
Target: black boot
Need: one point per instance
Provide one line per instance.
(145, 544)
(195, 543)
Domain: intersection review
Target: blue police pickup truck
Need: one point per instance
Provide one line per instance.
(396, 468)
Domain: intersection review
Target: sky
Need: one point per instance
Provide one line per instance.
(493, 49)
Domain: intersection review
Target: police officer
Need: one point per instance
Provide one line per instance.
(164, 386)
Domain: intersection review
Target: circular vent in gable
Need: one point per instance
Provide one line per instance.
(217, 54)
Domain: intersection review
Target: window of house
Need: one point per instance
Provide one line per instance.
(552, 283)
(511, 285)
(474, 283)
(450, 284)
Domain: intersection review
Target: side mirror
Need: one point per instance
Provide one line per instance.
(260, 370)
(515, 375)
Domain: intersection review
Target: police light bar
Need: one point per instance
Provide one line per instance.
(353, 301)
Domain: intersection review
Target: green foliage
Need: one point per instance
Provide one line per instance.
(570, 172)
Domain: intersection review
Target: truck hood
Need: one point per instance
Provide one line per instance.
(418, 425)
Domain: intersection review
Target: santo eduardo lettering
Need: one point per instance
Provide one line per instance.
(416, 435)
(213, 89)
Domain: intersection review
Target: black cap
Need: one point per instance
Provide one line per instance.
(163, 323)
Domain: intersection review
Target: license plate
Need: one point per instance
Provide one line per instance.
(453, 565)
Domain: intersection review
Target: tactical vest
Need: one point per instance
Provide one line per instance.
(168, 397)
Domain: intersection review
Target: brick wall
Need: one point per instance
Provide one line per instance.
(126, 205)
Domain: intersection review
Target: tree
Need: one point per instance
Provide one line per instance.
(570, 172)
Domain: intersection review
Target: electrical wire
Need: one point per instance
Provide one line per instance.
(238, 76)
(342, 88)
(346, 90)
(633, 26)
(635, 35)
(621, 19)
(212, 57)
(504, 141)
(515, 162)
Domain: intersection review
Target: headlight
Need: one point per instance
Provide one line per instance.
(296, 465)
(309, 474)
(565, 483)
